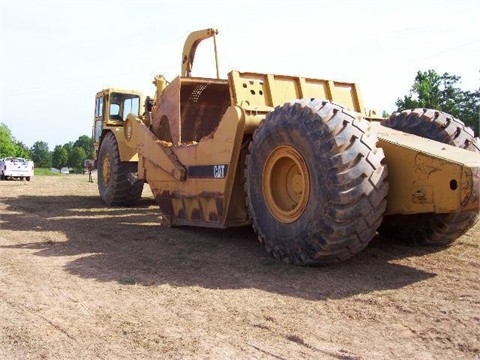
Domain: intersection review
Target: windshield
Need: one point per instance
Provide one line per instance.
(123, 104)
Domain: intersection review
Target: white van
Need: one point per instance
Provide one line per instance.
(14, 167)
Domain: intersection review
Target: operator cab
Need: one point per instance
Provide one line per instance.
(111, 109)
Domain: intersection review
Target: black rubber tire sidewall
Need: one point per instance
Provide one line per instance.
(429, 228)
(318, 236)
(122, 188)
(297, 230)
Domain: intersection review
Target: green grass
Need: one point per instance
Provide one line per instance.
(42, 172)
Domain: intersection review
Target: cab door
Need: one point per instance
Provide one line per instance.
(98, 119)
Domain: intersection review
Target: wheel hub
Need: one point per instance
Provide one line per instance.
(286, 184)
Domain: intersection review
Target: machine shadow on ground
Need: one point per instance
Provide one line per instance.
(128, 246)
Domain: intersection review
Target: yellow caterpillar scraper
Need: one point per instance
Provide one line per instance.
(295, 157)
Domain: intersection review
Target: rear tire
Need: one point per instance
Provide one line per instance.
(117, 181)
(315, 183)
(431, 229)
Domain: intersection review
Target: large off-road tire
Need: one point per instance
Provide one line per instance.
(315, 183)
(430, 229)
(117, 181)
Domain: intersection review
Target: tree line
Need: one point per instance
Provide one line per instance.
(442, 92)
(429, 90)
(71, 154)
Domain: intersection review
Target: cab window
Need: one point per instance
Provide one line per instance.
(99, 107)
(123, 104)
(131, 105)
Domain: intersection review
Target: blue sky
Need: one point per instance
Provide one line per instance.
(55, 55)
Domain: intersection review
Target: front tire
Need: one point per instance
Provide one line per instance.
(315, 183)
(117, 181)
(429, 228)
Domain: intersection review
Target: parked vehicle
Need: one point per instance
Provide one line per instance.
(15, 167)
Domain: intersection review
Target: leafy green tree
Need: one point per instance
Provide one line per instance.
(70, 154)
(7, 143)
(85, 142)
(76, 158)
(40, 154)
(22, 150)
(442, 92)
(59, 157)
(9, 146)
(68, 147)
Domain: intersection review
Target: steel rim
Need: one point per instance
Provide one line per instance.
(286, 184)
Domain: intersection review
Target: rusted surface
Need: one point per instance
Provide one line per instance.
(205, 208)
(203, 197)
(190, 109)
(162, 129)
(426, 176)
(219, 203)
(168, 107)
(425, 166)
(213, 217)
(196, 215)
(202, 107)
(165, 202)
(471, 190)
(158, 152)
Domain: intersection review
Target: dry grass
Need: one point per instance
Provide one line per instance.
(80, 281)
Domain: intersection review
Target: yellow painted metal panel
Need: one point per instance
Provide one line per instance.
(254, 91)
(428, 176)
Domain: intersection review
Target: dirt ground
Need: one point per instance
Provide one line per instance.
(79, 280)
